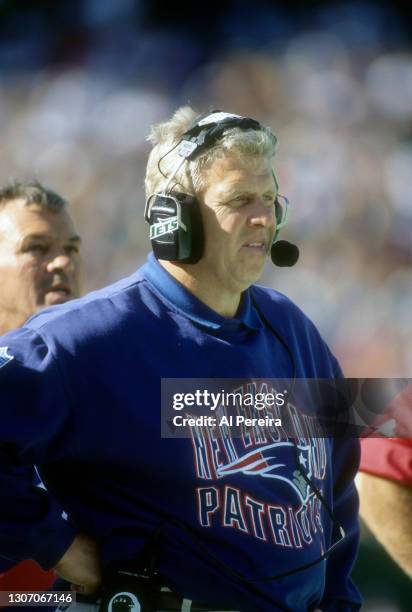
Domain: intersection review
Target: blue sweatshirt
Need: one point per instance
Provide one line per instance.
(80, 389)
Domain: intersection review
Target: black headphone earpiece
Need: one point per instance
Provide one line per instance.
(176, 227)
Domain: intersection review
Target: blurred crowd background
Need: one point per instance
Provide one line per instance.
(82, 80)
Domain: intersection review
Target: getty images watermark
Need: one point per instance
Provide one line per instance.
(272, 409)
(222, 400)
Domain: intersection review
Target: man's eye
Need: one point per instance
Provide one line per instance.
(72, 249)
(38, 249)
(239, 200)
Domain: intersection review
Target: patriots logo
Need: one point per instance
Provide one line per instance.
(277, 461)
(4, 356)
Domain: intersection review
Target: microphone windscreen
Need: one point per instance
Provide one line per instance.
(284, 253)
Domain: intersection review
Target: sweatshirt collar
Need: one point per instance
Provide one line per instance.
(184, 301)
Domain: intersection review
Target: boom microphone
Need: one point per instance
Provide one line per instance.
(284, 253)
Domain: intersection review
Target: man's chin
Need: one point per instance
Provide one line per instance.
(252, 273)
(246, 280)
(53, 298)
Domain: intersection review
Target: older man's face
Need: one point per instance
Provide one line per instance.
(39, 259)
(239, 219)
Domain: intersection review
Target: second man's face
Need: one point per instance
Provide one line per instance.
(239, 220)
(40, 261)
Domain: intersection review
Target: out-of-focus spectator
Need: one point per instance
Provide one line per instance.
(40, 261)
(40, 266)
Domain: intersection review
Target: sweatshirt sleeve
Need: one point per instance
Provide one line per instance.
(36, 427)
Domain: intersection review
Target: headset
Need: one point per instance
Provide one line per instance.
(176, 228)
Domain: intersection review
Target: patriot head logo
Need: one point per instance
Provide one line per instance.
(4, 356)
(277, 461)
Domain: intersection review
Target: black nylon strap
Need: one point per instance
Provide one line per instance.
(207, 134)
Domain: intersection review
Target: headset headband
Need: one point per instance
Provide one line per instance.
(208, 128)
(205, 130)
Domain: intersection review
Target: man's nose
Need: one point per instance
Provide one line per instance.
(262, 213)
(60, 261)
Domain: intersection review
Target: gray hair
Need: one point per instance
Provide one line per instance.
(32, 192)
(190, 179)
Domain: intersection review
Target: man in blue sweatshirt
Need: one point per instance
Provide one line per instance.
(255, 522)
(40, 265)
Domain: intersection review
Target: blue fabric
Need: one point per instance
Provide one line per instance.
(81, 400)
